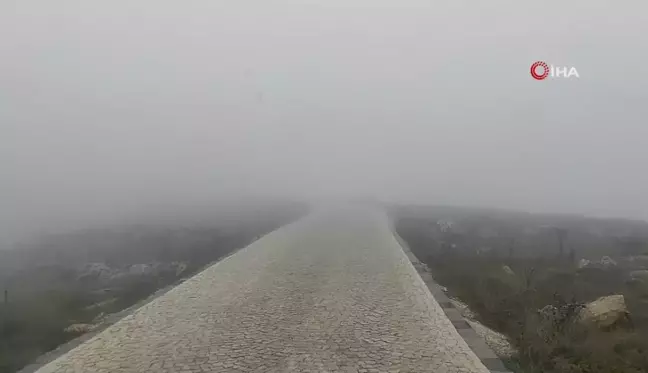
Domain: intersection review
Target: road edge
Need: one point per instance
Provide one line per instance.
(113, 318)
(476, 343)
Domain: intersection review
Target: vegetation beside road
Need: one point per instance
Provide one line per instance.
(508, 267)
(65, 285)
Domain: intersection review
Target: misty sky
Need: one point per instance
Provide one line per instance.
(108, 106)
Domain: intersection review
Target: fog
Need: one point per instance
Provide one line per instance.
(117, 106)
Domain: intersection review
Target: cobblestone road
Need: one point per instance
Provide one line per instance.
(333, 292)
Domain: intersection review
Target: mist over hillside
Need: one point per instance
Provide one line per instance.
(114, 107)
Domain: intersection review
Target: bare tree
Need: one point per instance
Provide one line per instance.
(529, 275)
(561, 234)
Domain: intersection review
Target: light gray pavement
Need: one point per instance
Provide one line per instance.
(333, 292)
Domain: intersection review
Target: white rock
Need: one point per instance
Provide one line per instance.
(79, 328)
(508, 270)
(606, 261)
(140, 269)
(496, 341)
(641, 274)
(605, 311)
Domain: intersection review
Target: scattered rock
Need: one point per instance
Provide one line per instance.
(421, 267)
(140, 269)
(104, 273)
(605, 312)
(463, 308)
(638, 259)
(180, 267)
(508, 270)
(445, 225)
(79, 328)
(105, 303)
(99, 271)
(641, 275)
(99, 318)
(496, 341)
(638, 279)
(606, 262)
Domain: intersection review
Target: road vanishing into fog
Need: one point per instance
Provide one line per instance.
(332, 292)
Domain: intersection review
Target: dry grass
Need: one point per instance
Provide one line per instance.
(508, 303)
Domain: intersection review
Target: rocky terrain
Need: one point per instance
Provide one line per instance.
(551, 293)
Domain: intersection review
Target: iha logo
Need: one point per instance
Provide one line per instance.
(540, 71)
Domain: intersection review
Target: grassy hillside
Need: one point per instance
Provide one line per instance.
(80, 277)
(507, 266)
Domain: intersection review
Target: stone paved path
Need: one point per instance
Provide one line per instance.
(332, 292)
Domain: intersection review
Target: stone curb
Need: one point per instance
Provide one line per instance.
(474, 341)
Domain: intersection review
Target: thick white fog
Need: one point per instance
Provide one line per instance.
(113, 106)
